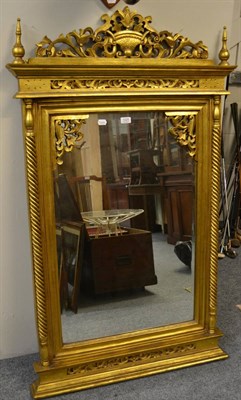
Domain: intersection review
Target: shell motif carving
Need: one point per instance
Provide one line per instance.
(124, 34)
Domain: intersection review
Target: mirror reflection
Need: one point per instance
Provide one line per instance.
(124, 199)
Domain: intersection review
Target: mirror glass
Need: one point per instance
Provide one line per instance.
(124, 201)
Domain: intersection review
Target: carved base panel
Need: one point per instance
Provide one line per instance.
(79, 375)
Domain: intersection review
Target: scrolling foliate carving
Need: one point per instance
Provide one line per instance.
(67, 133)
(183, 130)
(130, 359)
(124, 34)
(123, 84)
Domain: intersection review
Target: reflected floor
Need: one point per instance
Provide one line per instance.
(170, 301)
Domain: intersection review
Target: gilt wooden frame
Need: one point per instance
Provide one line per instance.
(123, 65)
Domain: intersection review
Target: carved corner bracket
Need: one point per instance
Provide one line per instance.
(67, 133)
(182, 128)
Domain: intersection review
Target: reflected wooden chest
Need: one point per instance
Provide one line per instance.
(119, 263)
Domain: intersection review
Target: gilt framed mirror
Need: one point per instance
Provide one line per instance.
(122, 136)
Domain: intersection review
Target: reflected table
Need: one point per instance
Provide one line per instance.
(107, 222)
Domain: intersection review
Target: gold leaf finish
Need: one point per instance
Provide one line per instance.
(215, 190)
(18, 49)
(67, 133)
(123, 66)
(122, 362)
(183, 130)
(39, 281)
(124, 34)
(224, 53)
(123, 84)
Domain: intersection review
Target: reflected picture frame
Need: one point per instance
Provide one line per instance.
(73, 240)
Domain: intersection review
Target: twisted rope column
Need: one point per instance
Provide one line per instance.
(216, 141)
(31, 163)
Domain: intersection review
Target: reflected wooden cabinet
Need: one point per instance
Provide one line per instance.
(143, 170)
(172, 188)
(114, 145)
(117, 195)
(120, 263)
(144, 196)
(179, 200)
(178, 182)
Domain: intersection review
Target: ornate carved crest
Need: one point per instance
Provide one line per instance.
(124, 34)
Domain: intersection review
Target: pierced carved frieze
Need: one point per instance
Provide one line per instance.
(124, 34)
(43, 85)
(123, 84)
(130, 359)
(67, 134)
(182, 128)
